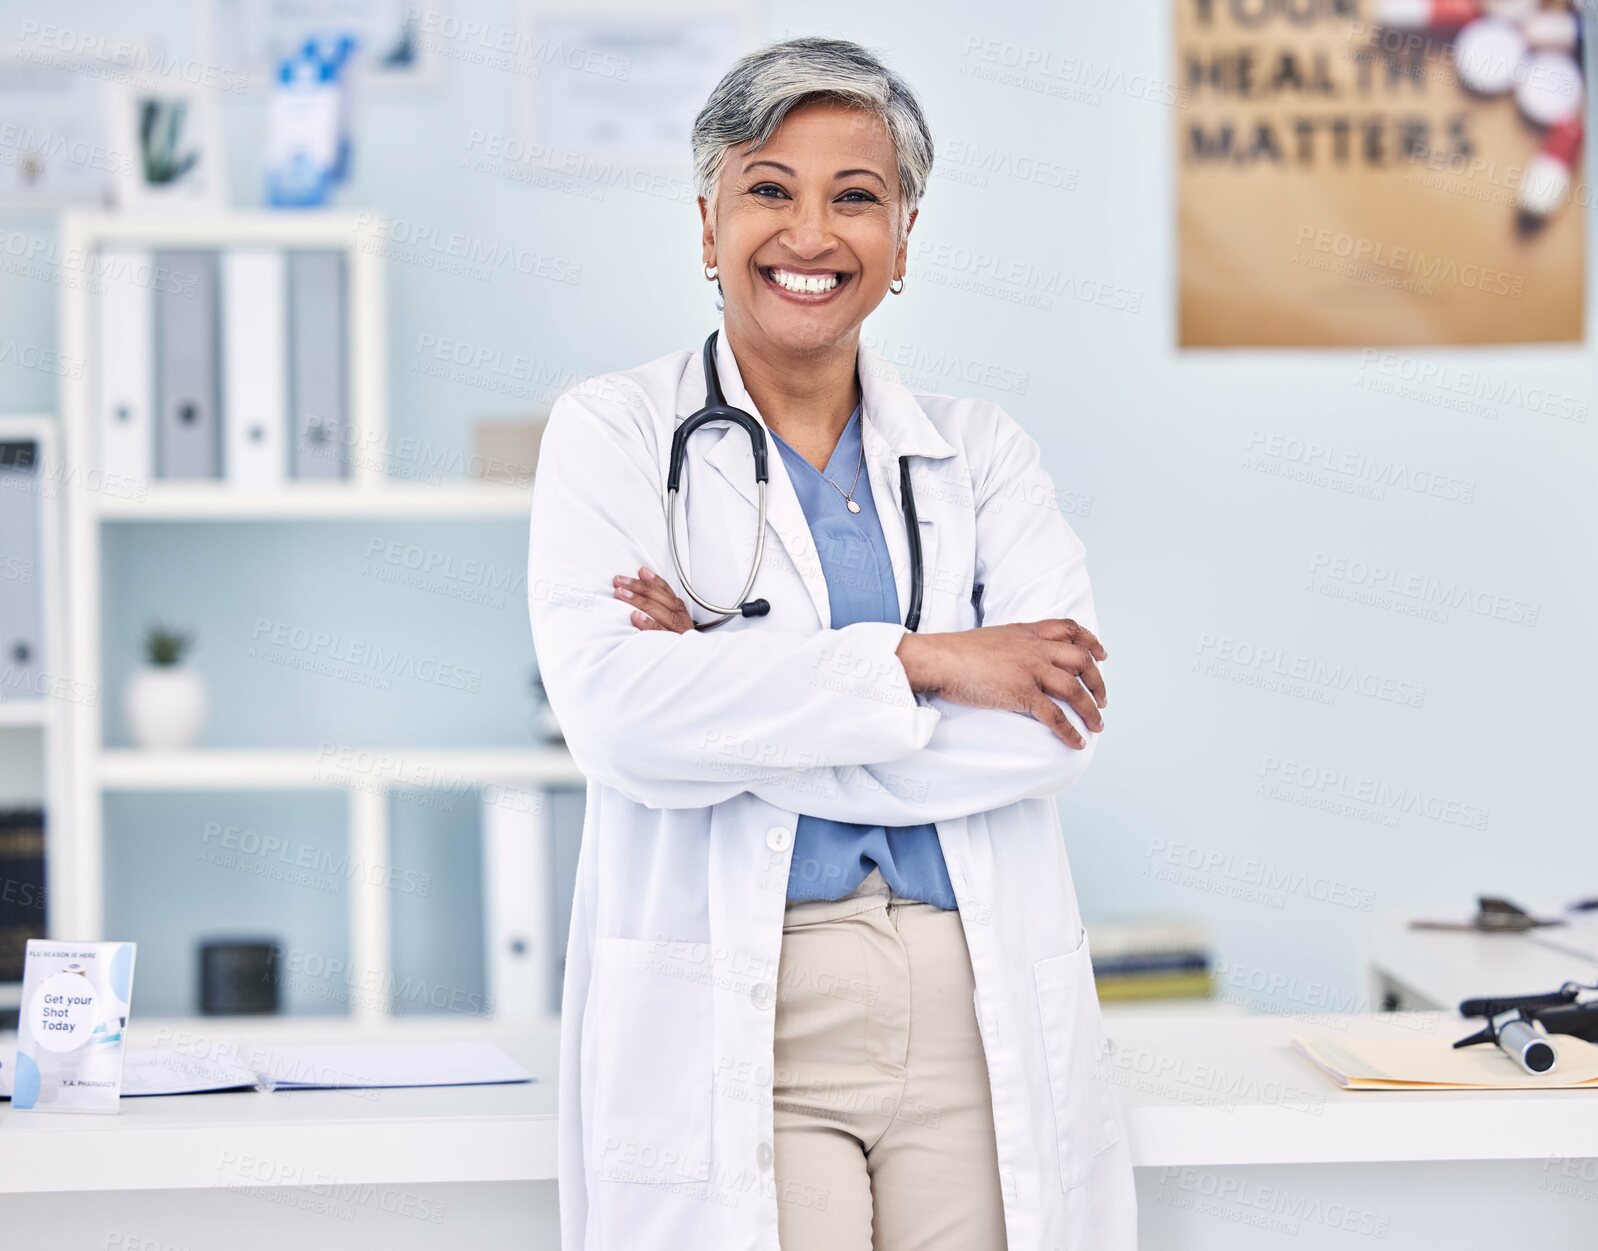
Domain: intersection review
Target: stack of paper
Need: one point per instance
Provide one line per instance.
(155, 1071)
(1433, 1064)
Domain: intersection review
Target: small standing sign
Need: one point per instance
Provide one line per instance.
(72, 1027)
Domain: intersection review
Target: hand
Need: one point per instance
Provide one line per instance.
(655, 604)
(1015, 668)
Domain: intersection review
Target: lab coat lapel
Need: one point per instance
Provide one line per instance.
(894, 425)
(732, 457)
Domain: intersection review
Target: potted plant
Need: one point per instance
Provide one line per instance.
(165, 700)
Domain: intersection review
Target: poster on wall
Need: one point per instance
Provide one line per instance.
(1380, 172)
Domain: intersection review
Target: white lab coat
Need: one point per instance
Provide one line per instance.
(700, 750)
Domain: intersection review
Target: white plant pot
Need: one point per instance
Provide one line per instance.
(165, 707)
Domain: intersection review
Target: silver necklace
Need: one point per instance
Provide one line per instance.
(848, 496)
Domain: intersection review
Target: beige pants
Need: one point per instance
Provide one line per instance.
(884, 1121)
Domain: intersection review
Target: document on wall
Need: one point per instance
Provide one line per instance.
(626, 83)
(1433, 1064)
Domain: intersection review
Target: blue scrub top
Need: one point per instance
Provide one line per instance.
(831, 858)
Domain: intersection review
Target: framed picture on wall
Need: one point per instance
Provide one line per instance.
(175, 141)
(54, 147)
(392, 37)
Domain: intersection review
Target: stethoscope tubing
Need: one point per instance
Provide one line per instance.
(717, 409)
(723, 613)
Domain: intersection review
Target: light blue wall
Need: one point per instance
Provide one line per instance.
(191, 868)
(1186, 540)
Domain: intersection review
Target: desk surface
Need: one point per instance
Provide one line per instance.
(1199, 1090)
(296, 1137)
(1445, 967)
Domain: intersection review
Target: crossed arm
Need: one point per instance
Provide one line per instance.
(826, 723)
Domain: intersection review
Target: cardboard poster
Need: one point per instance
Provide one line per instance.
(1379, 172)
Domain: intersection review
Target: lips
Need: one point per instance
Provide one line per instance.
(807, 287)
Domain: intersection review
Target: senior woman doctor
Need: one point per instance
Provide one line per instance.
(827, 985)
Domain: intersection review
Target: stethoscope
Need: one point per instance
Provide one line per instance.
(717, 409)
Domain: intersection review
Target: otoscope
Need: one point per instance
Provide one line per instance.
(1520, 1024)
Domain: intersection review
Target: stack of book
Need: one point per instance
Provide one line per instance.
(1150, 960)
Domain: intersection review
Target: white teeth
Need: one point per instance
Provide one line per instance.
(803, 284)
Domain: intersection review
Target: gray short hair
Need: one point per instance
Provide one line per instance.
(761, 89)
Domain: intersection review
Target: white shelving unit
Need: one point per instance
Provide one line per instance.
(44, 714)
(366, 495)
(314, 501)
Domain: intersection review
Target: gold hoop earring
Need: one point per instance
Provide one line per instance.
(710, 274)
(895, 290)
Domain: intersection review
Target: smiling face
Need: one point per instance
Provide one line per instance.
(804, 233)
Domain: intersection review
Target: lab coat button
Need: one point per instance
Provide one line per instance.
(763, 1155)
(763, 994)
(778, 838)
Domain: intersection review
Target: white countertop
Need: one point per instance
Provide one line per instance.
(1211, 1089)
(1447, 966)
(1231, 1091)
(296, 1137)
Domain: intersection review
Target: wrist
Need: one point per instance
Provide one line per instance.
(917, 653)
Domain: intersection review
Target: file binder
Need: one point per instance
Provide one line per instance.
(21, 615)
(518, 892)
(186, 358)
(316, 303)
(254, 368)
(126, 390)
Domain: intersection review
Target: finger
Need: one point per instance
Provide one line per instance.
(650, 583)
(1062, 684)
(1049, 713)
(662, 604)
(641, 620)
(1085, 637)
(670, 615)
(1064, 630)
(664, 592)
(1074, 660)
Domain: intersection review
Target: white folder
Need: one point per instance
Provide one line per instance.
(517, 902)
(255, 368)
(125, 399)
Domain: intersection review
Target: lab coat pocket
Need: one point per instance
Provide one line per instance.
(653, 1073)
(1086, 1112)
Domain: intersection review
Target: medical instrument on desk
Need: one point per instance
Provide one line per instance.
(717, 409)
(1520, 1024)
(1493, 916)
(1517, 1037)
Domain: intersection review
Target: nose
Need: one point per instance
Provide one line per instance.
(808, 234)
